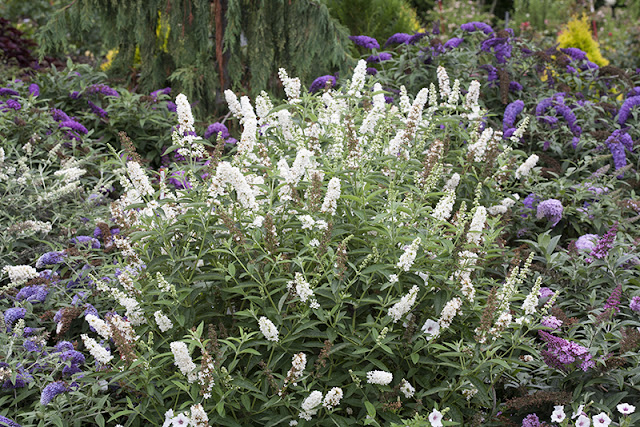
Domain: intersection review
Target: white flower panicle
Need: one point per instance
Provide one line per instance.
(531, 301)
(263, 107)
(477, 225)
(443, 209)
(101, 327)
(70, 174)
(227, 174)
(522, 127)
(310, 405)
(183, 109)
(268, 329)
(479, 148)
(471, 100)
(124, 327)
(233, 103)
(199, 417)
(248, 138)
(407, 389)
(19, 274)
(443, 82)
(449, 312)
(298, 364)
(163, 322)
(379, 377)
(182, 359)
(405, 136)
(302, 288)
(291, 86)
(330, 203)
(405, 103)
(100, 353)
(525, 169)
(402, 307)
(452, 183)
(504, 206)
(332, 398)
(433, 96)
(357, 81)
(454, 95)
(376, 112)
(409, 255)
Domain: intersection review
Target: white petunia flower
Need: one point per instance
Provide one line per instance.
(626, 409)
(558, 415)
(601, 420)
(431, 328)
(435, 418)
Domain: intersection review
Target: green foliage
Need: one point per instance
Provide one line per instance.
(542, 15)
(378, 18)
(455, 13)
(199, 58)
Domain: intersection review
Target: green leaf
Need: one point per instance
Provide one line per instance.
(371, 410)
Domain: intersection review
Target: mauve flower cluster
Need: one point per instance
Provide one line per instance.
(510, 115)
(365, 41)
(33, 294)
(531, 420)
(321, 83)
(586, 242)
(34, 90)
(51, 391)
(635, 304)
(550, 209)
(611, 306)
(11, 315)
(561, 354)
(605, 243)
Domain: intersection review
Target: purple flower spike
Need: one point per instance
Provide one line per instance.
(384, 56)
(97, 110)
(371, 71)
(635, 304)
(59, 115)
(479, 26)
(12, 315)
(171, 106)
(75, 95)
(531, 420)
(625, 110)
(321, 82)
(4, 421)
(103, 89)
(12, 103)
(574, 53)
(562, 354)
(511, 113)
(215, 129)
(51, 391)
(34, 89)
(415, 38)
(604, 244)
(453, 43)
(586, 242)
(72, 124)
(5, 91)
(550, 209)
(365, 41)
(33, 294)
(398, 38)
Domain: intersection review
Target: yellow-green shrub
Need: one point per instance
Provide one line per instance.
(578, 34)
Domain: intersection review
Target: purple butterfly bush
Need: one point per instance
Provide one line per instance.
(384, 56)
(321, 82)
(453, 43)
(563, 355)
(574, 53)
(98, 111)
(171, 106)
(13, 104)
(75, 95)
(85, 242)
(33, 294)
(34, 90)
(6, 422)
(551, 322)
(178, 180)
(215, 129)
(398, 38)
(515, 86)
(102, 89)
(499, 46)
(618, 143)
(73, 125)
(51, 391)
(476, 26)
(625, 110)
(22, 378)
(59, 115)
(635, 304)
(415, 38)
(5, 91)
(365, 41)
(492, 73)
(11, 316)
(511, 112)
(551, 209)
(156, 93)
(371, 71)
(611, 306)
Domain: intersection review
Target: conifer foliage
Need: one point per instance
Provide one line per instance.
(205, 46)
